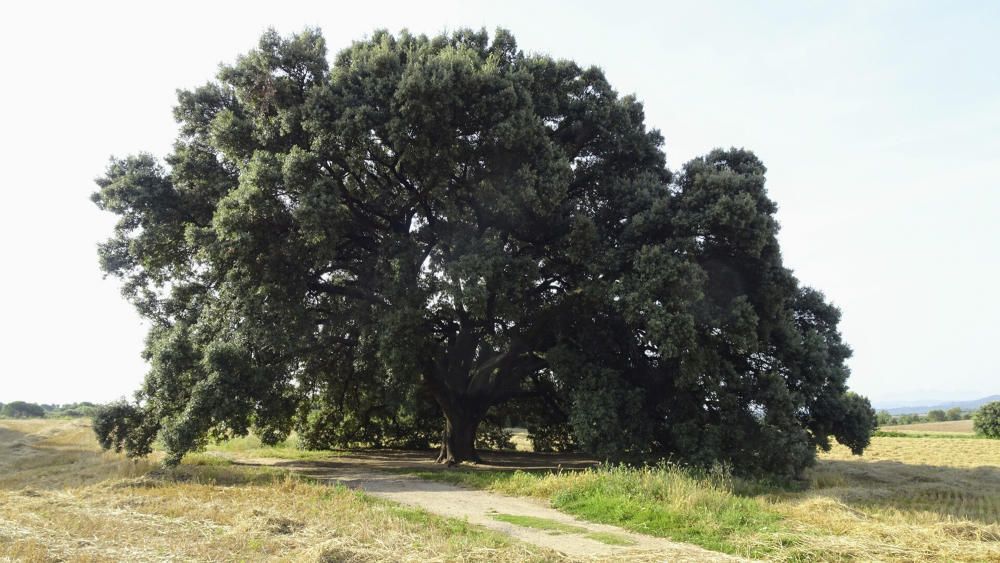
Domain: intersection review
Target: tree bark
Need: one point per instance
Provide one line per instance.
(458, 441)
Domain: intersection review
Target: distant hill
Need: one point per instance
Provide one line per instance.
(964, 405)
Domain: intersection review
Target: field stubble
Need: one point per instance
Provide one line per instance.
(947, 426)
(907, 499)
(61, 499)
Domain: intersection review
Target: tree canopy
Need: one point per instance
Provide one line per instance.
(986, 421)
(22, 409)
(448, 229)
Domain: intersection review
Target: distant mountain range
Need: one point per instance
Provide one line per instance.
(964, 405)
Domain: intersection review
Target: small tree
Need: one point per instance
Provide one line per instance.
(884, 418)
(937, 415)
(987, 420)
(954, 413)
(21, 409)
(856, 423)
(120, 427)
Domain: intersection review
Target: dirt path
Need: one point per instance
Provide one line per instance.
(482, 508)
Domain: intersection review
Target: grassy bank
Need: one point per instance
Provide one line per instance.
(251, 446)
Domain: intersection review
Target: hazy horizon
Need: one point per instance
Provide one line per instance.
(879, 125)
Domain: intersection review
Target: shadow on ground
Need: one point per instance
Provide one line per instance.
(384, 466)
(491, 460)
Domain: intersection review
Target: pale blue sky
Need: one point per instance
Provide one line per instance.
(879, 123)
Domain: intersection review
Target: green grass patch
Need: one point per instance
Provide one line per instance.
(556, 527)
(609, 538)
(251, 446)
(551, 526)
(709, 509)
(206, 459)
(459, 532)
(204, 471)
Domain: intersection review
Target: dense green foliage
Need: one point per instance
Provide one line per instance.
(937, 415)
(987, 420)
(121, 426)
(449, 226)
(883, 418)
(22, 409)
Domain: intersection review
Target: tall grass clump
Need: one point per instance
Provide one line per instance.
(700, 507)
(704, 507)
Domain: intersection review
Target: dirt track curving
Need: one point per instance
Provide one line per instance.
(481, 508)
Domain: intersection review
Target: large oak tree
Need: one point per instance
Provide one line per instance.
(448, 227)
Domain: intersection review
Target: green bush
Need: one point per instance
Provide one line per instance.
(937, 415)
(884, 418)
(987, 420)
(493, 436)
(119, 426)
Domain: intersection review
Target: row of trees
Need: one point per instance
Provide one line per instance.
(23, 409)
(434, 234)
(937, 415)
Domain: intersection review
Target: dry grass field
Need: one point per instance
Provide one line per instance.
(61, 499)
(907, 499)
(949, 426)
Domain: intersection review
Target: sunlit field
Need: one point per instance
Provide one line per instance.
(949, 426)
(921, 498)
(907, 499)
(61, 499)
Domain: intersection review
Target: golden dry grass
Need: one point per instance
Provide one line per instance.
(950, 426)
(950, 453)
(63, 500)
(906, 499)
(519, 437)
(47, 454)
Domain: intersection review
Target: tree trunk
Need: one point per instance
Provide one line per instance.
(458, 441)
